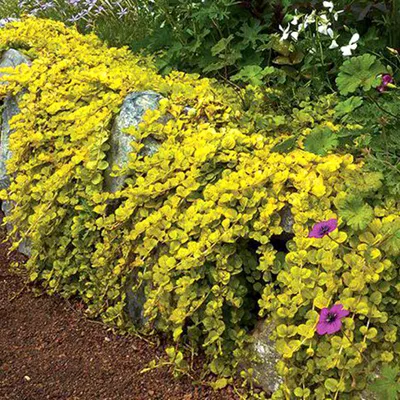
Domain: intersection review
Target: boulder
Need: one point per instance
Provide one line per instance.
(133, 108)
(135, 300)
(287, 219)
(11, 58)
(264, 349)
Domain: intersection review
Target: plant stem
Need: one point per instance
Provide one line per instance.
(340, 244)
(382, 109)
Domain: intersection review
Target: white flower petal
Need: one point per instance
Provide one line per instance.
(328, 4)
(355, 38)
(336, 15)
(346, 51)
(330, 32)
(302, 26)
(324, 18)
(309, 19)
(295, 35)
(333, 45)
(323, 29)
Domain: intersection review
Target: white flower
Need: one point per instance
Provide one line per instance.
(346, 50)
(323, 28)
(329, 5)
(324, 18)
(333, 45)
(285, 32)
(301, 26)
(309, 19)
(336, 15)
(295, 35)
(330, 32)
(295, 20)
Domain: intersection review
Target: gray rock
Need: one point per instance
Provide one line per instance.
(10, 109)
(134, 107)
(287, 220)
(368, 395)
(264, 349)
(11, 58)
(135, 300)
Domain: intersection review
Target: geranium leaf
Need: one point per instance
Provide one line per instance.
(320, 141)
(346, 107)
(253, 74)
(355, 212)
(387, 386)
(359, 72)
(285, 146)
(391, 230)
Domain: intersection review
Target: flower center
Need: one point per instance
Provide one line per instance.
(324, 230)
(331, 317)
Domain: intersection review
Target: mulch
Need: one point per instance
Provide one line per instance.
(48, 350)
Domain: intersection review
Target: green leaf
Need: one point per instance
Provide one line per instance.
(293, 58)
(331, 384)
(355, 212)
(253, 74)
(251, 34)
(365, 182)
(103, 165)
(359, 72)
(391, 245)
(33, 276)
(320, 141)
(345, 108)
(220, 383)
(221, 46)
(285, 146)
(387, 386)
(283, 47)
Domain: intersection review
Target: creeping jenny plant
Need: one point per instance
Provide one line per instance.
(186, 218)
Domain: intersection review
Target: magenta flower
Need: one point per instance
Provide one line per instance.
(386, 79)
(323, 228)
(330, 320)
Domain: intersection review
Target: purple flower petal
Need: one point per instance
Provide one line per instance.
(343, 313)
(324, 313)
(322, 329)
(323, 228)
(386, 79)
(334, 327)
(339, 311)
(330, 320)
(381, 88)
(336, 308)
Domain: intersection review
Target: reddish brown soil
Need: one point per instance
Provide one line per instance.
(48, 350)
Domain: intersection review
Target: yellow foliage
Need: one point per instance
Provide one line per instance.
(184, 221)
